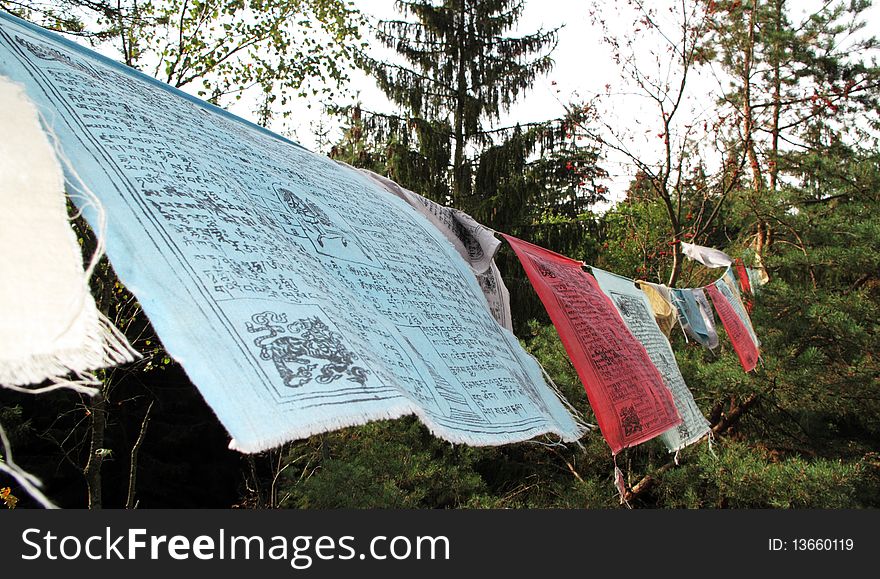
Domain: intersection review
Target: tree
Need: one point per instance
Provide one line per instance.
(660, 50)
(219, 49)
(789, 78)
(464, 70)
(459, 74)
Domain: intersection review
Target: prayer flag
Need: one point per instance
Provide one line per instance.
(664, 312)
(746, 348)
(743, 276)
(757, 277)
(49, 324)
(698, 324)
(476, 243)
(739, 306)
(706, 255)
(635, 306)
(626, 392)
(298, 296)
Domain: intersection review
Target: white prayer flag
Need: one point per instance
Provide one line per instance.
(49, 325)
(706, 255)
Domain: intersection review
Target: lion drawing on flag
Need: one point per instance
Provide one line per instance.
(304, 350)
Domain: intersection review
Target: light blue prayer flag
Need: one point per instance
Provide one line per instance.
(697, 325)
(298, 295)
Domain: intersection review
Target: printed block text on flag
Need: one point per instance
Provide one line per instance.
(745, 347)
(298, 295)
(626, 392)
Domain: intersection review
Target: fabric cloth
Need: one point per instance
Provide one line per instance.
(476, 243)
(635, 307)
(298, 295)
(743, 276)
(745, 347)
(706, 255)
(665, 313)
(49, 325)
(708, 317)
(757, 278)
(739, 306)
(627, 393)
(698, 321)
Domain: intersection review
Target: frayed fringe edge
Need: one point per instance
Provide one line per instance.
(393, 412)
(28, 482)
(104, 346)
(693, 439)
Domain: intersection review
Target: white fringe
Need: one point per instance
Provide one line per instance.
(28, 482)
(620, 484)
(583, 426)
(101, 345)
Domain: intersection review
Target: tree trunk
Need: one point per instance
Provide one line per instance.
(763, 238)
(461, 97)
(749, 129)
(92, 471)
(748, 120)
(777, 100)
(677, 258)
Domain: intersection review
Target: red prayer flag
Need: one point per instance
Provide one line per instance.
(743, 276)
(745, 347)
(744, 283)
(625, 389)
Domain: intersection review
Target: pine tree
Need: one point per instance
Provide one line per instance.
(459, 74)
(788, 79)
(462, 71)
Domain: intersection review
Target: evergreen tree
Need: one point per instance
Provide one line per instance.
(789, 79)
(462, 72)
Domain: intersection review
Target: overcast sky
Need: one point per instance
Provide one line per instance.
(583, 69)
(581, 64)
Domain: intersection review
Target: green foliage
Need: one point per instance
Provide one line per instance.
(535, 181)
(636, 241)
(480, 73)
(220, 49)
(383, 464)
(743, 475)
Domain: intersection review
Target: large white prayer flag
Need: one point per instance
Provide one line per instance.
(49, 325)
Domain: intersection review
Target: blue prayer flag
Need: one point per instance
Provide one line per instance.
(298, 295)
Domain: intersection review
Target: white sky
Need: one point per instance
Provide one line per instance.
(582, 64)
(583, 68)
